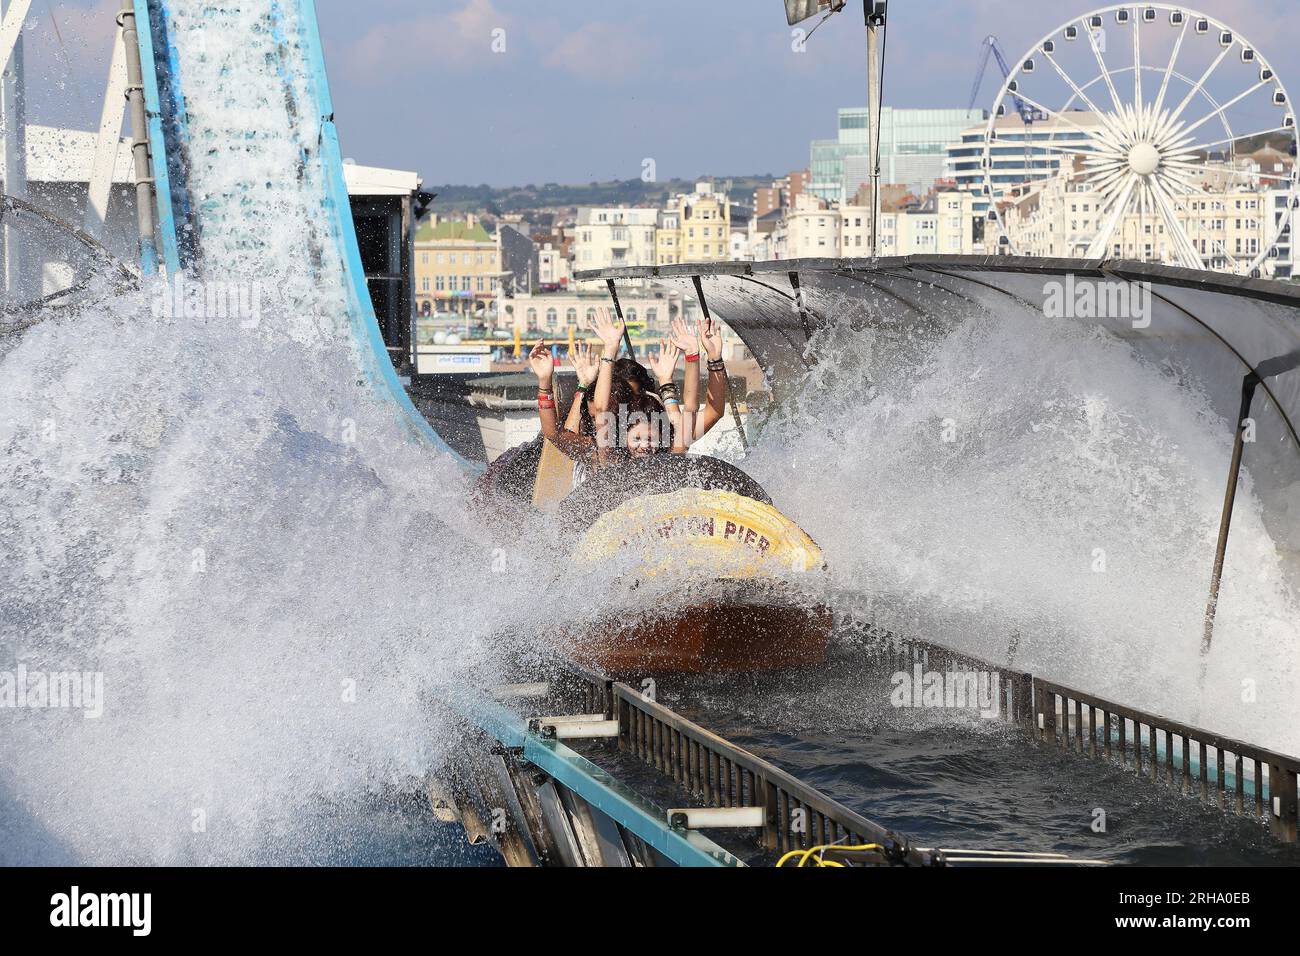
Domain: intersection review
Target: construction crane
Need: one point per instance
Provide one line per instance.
(989, 46)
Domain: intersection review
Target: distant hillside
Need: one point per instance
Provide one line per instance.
(627, 192)
(1249, 144)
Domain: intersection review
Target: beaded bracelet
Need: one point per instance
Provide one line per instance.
(717, 365)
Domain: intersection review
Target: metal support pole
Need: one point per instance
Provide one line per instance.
(141, 165)
(873, 12)
(100, 185)
(799, 304)
(1248, 385)
(731, 394)
(618, 310)
(1266, 369)
(13, 130)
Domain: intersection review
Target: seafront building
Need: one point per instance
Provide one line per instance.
(1229, 222)
(1045, 204)
(612, 236)
(1019, 154)
(457, 266)
(696, 227)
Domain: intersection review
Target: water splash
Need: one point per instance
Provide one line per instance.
(267, 572)
(996, 478)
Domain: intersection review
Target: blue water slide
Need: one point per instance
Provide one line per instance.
(180, 217)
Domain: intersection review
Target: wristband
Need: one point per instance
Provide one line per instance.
(717, 365)
(607, 359)
(693, 357)
(581, 387)
(545, 403)
(669, 400)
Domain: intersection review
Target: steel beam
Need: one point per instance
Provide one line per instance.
(100, 184)
(597, 787)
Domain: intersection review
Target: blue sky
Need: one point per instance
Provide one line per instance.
(588, 89)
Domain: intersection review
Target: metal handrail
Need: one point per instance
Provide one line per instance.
(1045, 710)
(722, 774)
(1174, 752)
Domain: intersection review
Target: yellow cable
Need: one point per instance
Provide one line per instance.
(805, 854)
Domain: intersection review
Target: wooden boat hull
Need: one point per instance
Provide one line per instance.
(750, 618)
(714, 637)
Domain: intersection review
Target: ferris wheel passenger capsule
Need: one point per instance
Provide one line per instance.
(1121, 16)
(1288, 120)
(1247, 55)
(1094, 22)
(1177, 18)
(1027, 66)
(1013, 86)
(1149, 15)
(1265, 74)
(1049, 47)
(1225, 38)
(1202, 25)
(1279, 98)
(1072, 32)
(1002, 109)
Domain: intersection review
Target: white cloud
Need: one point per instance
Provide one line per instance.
(602, 51)
(455, 42)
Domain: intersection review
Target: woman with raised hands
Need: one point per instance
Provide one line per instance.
(715, 400)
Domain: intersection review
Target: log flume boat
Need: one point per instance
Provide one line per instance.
(744, 568)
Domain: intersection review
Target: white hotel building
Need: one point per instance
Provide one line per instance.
(1018, 154)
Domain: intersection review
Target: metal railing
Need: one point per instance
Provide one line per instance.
(721, 774)
(1239, 777)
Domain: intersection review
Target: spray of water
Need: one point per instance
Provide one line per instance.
(271, 576)
(266, 571)
(215, 512)
(1035, 492)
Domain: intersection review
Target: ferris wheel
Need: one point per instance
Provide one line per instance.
(1145, 131)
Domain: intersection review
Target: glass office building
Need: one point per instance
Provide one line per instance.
(1021, 154)
(913, 149)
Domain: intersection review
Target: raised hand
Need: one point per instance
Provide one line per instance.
(609, 329)
(586, 362)
(665, 361)
(683, 337)
(539, 360)
(711, 333)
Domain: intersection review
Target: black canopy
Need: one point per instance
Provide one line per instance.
(1220, 328)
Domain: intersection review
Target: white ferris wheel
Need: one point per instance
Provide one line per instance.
(1157, 116)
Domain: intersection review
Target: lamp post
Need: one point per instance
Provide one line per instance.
(873, 13)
